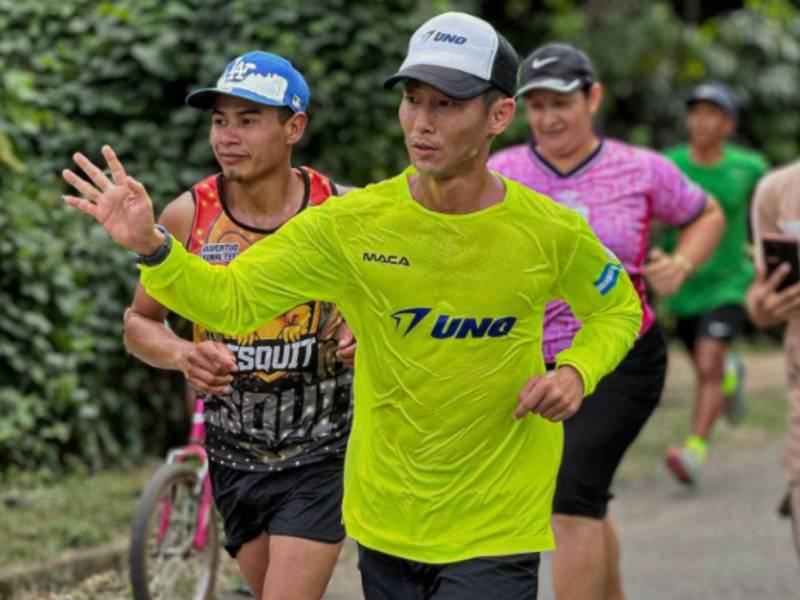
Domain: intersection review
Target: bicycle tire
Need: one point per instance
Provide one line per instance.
(794, 515)
(178, 481)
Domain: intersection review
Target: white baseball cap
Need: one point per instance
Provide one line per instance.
(460, 55)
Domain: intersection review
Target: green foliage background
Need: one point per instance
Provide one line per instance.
(648, 60)
(76, 74)
(80, 73)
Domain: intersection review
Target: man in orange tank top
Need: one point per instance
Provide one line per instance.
(278, 407)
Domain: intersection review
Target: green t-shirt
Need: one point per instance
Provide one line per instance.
(448, 312)
(723, 278)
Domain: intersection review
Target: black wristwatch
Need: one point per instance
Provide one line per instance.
(160, 254)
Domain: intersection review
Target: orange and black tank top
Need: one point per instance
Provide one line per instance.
(291, 400)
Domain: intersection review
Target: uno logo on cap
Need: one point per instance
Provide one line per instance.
(442, 36)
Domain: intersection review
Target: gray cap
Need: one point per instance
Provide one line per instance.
(716, 92)
(556, 67)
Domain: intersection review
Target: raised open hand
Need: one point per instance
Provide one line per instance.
(120, 204)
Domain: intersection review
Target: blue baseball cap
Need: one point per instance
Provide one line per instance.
(716, 92)
(260, 77)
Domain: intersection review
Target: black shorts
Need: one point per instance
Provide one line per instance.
(597, 436)
(723, 324)
(304, 502)
(386, 577)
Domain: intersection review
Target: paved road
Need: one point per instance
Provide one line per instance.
(724, 541)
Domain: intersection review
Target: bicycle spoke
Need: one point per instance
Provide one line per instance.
(176, 568)
(164, 563)
(163, 584)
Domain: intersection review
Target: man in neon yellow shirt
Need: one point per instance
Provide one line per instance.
(443, 273)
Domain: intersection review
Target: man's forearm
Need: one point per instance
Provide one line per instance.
(154, 343)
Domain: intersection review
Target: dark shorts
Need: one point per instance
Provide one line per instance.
(597, 436)
(723, 324)
(385, 577)
(304, 502)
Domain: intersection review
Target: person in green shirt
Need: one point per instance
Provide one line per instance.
(709, 305)
(443, 274)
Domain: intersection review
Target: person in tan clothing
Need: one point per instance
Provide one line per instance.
(776, 210)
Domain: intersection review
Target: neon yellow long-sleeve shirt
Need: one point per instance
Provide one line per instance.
(447, 310)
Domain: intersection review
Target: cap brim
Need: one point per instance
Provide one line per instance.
(550, 83)
(452, 82)
(207, 97)
(729, 110)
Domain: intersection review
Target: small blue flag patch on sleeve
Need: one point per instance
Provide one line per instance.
(608, 278)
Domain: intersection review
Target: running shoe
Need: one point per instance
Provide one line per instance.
(242, 590)
(685, 465)
(734, 403)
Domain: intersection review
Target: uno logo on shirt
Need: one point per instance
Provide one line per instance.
(445, 326)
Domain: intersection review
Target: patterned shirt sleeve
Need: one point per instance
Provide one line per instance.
(675, 200)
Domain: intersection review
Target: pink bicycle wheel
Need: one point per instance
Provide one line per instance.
(165, 563)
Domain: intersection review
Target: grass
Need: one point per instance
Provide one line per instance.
(76, 512)
(79, 512)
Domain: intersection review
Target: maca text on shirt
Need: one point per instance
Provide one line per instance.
(389, 259)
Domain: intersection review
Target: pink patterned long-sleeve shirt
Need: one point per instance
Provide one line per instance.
(620, 189)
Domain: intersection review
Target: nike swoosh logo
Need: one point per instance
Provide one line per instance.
(538, 63)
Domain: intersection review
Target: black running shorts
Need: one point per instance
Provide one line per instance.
(597, 436)
(304, 502)
(386, 577)
(723, 324)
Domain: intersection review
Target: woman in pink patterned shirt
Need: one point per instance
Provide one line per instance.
(620, 190)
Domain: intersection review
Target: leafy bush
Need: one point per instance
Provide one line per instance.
(76, 74)
(80, 73)
(648, 60)
(118, 73)
(68, 394)
(757, 52)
